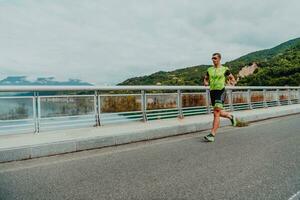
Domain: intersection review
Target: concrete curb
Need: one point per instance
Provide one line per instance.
(149, 133)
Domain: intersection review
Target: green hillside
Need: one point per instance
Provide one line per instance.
(282, 69)
(185, 76)
(262, 55)
(277, 66)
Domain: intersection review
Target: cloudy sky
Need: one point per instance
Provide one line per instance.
(106, 42)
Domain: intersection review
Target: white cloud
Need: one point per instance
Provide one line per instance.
(109, 41)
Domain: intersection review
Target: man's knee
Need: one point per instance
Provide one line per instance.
(224, 113)
(217, 112)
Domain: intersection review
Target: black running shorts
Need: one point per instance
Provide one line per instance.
(217, 98)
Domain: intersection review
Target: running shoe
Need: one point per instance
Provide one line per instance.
(233, 120)
(209, 138)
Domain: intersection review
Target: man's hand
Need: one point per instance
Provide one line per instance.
(231, 80)
(205, 81)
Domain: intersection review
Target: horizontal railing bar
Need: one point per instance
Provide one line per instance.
(195, 111)
(15, 125)
(160, 94)
(119, 117)
(84, 117)
(127, 120)
(65, 96)
(198, 113)
(240, 109)
(159, 113)
(66, 125)
(117, 95)
(196, 108)
(141, 87)
(67, 122)
(67, 116)
(236, 104)
(161, 116)
(241, 106)
(166, 113)
(162, 109)
(193, 93)
(122, 118)
(16, 120)
(193, 107)
(239, 92)
(17, 97)
(15, 131)
(127, 112)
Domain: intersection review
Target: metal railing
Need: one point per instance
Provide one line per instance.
(37, 108)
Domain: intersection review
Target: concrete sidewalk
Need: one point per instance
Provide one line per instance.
(26, 146)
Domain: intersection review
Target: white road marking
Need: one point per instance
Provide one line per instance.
(295, 196)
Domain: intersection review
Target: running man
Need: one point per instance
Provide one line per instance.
(216, 78)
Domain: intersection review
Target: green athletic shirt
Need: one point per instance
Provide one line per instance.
(217, 77)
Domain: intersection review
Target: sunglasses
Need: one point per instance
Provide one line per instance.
(214, 58)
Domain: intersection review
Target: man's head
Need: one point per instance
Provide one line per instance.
(216, 58)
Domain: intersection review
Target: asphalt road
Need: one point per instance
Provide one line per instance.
(261, 161)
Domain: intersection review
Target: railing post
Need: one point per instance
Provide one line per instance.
(298, 95)
(208, 101)
(264, 99)
(289, 97)
(34, 106)
(99, 109)
(249, 99)
(179, 104)
(278, 98)
(144, 105)
(96, 108)
(37, 112)
(230, 100)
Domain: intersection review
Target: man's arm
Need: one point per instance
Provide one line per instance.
(231, 80)
(206, 79)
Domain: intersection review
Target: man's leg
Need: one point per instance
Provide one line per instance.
(229, 116)
(225, 114)
(216, 122)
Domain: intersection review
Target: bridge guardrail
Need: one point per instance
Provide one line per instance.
(27, 109)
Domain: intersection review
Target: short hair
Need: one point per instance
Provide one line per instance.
(217, 54)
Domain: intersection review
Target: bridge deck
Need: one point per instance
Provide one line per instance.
(260, 161)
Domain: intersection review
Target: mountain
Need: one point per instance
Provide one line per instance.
(22, 80)
(275, 66)
(281, 69)
(262, 55)
(185, 76)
